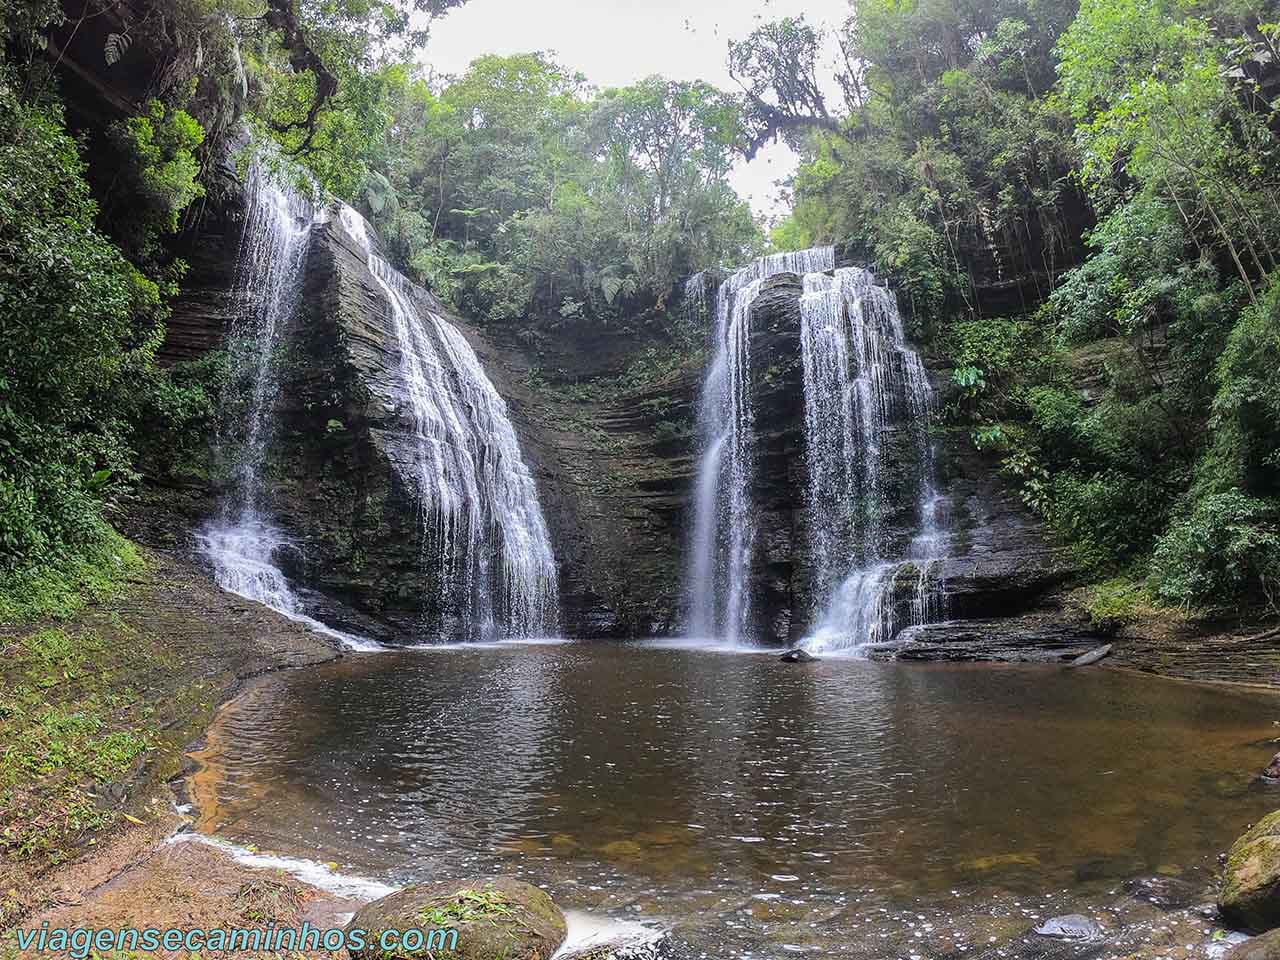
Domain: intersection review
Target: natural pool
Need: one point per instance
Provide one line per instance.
(750, 804)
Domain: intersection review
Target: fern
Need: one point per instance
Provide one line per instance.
(611, 287)
(116, 46)
(380, 194)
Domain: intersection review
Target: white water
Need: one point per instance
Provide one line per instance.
(242, 544)
(862, 381)
(585, 931)
(719, 596)
(482, 524)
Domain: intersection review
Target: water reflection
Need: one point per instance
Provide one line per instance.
(689, 775)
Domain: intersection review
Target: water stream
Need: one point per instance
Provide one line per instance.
(873, 508)
(482, 525)
(724, 530)
(241, 542)
(868, 406)
(491, 569)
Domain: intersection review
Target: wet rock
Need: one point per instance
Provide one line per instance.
(1072, 926)
(798, 656)
(1250, 894)
(494, 917)
(1272, 771)
(1265, 947)
(1168, 893)
(1093, 656)
(1032, 638)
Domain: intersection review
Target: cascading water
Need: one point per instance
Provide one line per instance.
(242, 543)
(863, 384)
(724, 527)
(482, 523)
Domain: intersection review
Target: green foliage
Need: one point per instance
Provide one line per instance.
(517, 192)
(1112, 604)
(172, 414)
(158, 170)
(97, 570)
(77, 320)
(1227, 548)
(1246, 406)
(996, 360)
(945, 160)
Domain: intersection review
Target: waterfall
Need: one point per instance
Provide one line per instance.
(241, 542)
(482, 524)
(719, 597)
(865, 393)
(862, 384)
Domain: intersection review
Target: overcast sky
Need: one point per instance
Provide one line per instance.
(616, 42)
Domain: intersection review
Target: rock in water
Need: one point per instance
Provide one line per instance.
(1093, 656)
(1272, 772)
(495, 917)
(1073, 926)
(1265, 947)
(798, 656)
(1250, 895)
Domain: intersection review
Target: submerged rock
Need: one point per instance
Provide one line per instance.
(1265, 947)
(1250, 895)
(798, 656)
(1168, 893)
(494, 917)
(1073, 926)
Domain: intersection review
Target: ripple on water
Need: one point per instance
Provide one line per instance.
(698, 788)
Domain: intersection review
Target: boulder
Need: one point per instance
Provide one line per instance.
(1265, 947)
(1250, 894)
(798, 656)
(496, 917)
(1272, 771)
(1073, 926)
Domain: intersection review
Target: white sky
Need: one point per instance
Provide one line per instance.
(616, 42)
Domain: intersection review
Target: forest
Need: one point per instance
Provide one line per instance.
(440, 494)
(1111, 169)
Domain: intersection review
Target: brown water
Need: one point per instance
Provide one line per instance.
(736, 792)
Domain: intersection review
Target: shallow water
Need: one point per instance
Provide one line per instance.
(711, 788)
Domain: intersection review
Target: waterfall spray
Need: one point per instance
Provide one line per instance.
(482, 524)
(861, 381)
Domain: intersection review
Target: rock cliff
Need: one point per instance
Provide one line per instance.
(606, 423)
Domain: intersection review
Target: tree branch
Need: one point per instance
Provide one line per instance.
(302, 58)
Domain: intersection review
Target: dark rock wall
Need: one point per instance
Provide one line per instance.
(614, 458)
(613, 483)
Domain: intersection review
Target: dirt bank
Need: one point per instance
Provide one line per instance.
(96, 715)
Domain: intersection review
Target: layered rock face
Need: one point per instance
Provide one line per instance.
(613, 456)
(1000, 561)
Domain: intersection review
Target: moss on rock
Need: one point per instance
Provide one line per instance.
(496, 918)
(1250, 895)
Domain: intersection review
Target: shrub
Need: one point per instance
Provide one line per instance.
(1227, 549)
(69, 336)
(159, 172)
(1111, 517)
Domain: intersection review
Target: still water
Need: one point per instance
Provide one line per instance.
(693, 785)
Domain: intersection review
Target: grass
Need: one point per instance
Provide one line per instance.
(88, 710)
(58, 589)
(72, 725)
(468, 906)
(1115, 603)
